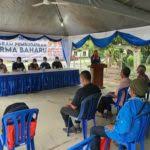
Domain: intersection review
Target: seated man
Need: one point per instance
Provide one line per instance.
(18, 65)
(142, 82)
(34, 65)
(110, 98)
(3, 67)
(73, 108)
(45, 64)
(57, 64)
(125, 128)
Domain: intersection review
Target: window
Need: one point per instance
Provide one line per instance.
(75, 53)
(84, 53)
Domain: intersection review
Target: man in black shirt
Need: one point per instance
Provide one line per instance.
(57, 64)
(18, 65)
(73, 108)
(45, 64)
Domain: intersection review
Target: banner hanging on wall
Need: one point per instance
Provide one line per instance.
(20, 47)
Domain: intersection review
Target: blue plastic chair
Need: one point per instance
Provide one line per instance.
(119, 97)
(22, 118)
(147, 95)
(87, 112)
(145, 126)
(83, 145)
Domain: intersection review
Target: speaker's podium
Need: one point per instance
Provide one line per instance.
(97, 72)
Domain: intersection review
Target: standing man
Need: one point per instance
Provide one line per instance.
(18, 65)
(57, 64)
(3, 67)
(73, 108)
(45, 64)
(95, 59)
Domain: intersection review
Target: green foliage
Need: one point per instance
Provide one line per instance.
(148, 60)
(130, 61)
(145, 53)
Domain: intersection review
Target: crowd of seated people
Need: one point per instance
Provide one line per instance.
(125, 128)
(19, 66)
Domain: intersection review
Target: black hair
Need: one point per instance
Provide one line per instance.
(126, 71)
(34, 60)
(1, 59)
(86, 74)
(44, 58)
(18, 58)
(56, 57)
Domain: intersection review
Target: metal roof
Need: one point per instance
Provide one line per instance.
(79, 16)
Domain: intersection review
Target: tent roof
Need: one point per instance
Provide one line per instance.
(79, 17)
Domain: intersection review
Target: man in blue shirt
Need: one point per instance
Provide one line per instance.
(125, 127)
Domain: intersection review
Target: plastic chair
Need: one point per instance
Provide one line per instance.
(145, 126)
(21, 121)
(119, 97)
(147, 95)
(83, 145)
(87, 112)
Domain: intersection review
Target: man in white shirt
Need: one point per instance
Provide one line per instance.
(107, 100)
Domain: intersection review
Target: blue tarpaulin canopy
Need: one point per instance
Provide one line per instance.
(76, 17)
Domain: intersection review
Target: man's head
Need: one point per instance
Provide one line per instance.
(141, 69)
(56, 58)
(45, 59)
(18, 59)
(34, 61)
(95, 53)
(85, 77)
(1, 61)
(125, 72)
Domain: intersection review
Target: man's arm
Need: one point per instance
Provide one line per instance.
(76, 100)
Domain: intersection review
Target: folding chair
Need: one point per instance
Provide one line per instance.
(20, 123)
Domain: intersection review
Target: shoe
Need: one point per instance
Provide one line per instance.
(71, 130)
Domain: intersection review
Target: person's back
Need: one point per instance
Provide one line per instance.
(141, 82)
(141, 87)
(127, 127)
(84, 92)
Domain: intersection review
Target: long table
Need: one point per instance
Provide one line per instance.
(28, 82)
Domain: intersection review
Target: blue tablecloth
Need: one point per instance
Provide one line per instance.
(32, 82)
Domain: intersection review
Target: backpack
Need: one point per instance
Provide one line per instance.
(15, 107)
